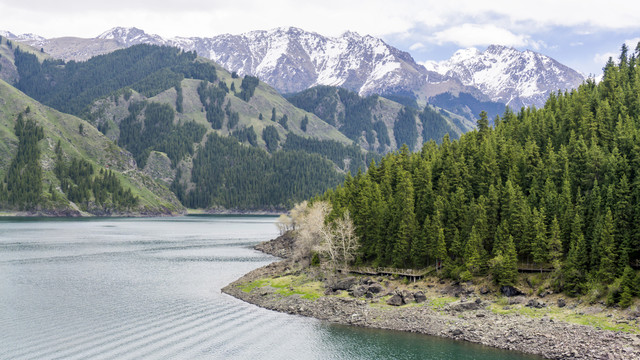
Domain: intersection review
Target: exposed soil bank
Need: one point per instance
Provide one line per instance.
(457, 311)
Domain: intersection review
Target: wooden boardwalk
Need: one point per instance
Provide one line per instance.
(533, 270)
(412, 274)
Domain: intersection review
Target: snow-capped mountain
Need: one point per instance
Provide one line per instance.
(291, 60)
(131, 36)
(23, 37)
(516, 78)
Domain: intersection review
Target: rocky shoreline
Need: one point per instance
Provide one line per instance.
(471, 316)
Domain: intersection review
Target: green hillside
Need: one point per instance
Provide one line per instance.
(377, 123)
(160, 103)
(80, 145)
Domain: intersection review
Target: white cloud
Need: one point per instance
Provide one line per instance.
(603, 58)
(468, 35)
(332, 17)
(632, 43)
(416, 46)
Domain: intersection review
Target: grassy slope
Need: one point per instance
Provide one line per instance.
(9, 73)
(92, 146)
(115, 108)
(263, 101)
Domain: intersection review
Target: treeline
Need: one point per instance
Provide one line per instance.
(347, 157)
(552, 188)
(156, 131)
(81, 184)
(227, 174)
(21, 187)
(70, 87)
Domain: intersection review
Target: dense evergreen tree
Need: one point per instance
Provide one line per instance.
(349, 158)
(228, 174)
(405, 129)
(271, 138)
(70, 87)
(556, 186)
(248, 86)
(22, 185)
(157, 132)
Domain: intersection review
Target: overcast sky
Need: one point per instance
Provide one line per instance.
(580, 34)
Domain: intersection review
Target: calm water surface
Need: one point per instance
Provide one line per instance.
(150, 288)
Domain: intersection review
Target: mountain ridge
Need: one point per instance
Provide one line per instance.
(502, 72)
(292, 59)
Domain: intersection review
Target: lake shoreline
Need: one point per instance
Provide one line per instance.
(471, 317)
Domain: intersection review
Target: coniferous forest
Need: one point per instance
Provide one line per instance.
(555, 189)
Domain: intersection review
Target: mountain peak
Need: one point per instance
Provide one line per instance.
(129, 36)
(120, 32)
(505, 74)
(23, 37)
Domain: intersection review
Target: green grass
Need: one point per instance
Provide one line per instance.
(600, 321)
(441, 303)
(288, 285)
(254, 285)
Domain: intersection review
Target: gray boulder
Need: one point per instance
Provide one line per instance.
(359, 291)
(375, 288)
(510, 291)
(407, 297)
(344, 283)
(419, 296)
(533, 303)
(395, 300)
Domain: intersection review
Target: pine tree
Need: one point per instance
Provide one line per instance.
(504, 265)
(607, 270)
(555, 244)
(474, 253)
(440, 248)
(405, 220)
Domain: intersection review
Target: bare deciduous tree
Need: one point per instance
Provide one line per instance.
(310, 228)
(340, 242)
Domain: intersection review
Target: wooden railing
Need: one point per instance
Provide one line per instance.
(388, 271)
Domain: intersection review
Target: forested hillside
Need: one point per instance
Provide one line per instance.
(57, 164)
(556, 188)
(374, 122)
(163, 101)
(71, 87)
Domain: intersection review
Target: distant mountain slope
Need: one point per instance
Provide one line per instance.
(291, 60)
(516, 78)
(217, 140)
(80, 144)
(377, 123)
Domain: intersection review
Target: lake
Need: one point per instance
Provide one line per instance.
(150, 288)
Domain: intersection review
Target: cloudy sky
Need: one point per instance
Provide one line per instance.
(581, 34)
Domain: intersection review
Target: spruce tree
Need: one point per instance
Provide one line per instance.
(607, 270)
